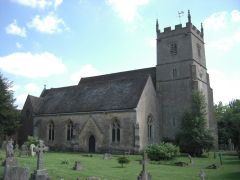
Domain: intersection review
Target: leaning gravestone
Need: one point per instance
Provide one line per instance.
(144, 175)
(40, 173)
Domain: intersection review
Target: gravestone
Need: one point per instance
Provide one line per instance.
(107, 156)
(16, 173)
(202, 175)
(77, 166)
(220, 157)
(10, 160)
(32, 146)
(144, 175)
(190, 159)
(24, 150)
(40, 173)
(93, 178)
(230, 145)
(16, 150)
(4, 144)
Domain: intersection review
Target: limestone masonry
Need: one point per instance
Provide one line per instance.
(126, 111)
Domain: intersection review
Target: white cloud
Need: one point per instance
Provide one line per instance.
(152, 42)
(14, 29)
(42, 4)
(32, 65)
(226, 87)
(19, 45)
(49, 24)
(85, 71)
(20, 100)
(235, 16)
(216, 22)
(127, 9)
(57, 3)
(224, 44)
(31, 88)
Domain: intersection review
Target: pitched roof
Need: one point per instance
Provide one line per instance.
(116, 91)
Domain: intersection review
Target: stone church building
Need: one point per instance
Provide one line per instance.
(125, 111)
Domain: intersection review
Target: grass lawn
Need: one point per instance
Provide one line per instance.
(111, 170)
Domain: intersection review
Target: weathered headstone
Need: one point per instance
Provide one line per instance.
(4, 144)
(24, 150)
(77, 166)
(16, 173)
(10, 160)
(230, 145)
(144, 175)
(202, 175)
(32, 146)
(16, 150)
(93, 178)
(107, 156)
(40, 173)
(220, 157)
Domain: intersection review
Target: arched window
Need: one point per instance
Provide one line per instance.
(149, 125)
(51, 131)
(115, 132)
(69, 131)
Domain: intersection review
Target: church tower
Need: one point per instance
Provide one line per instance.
(181, 69)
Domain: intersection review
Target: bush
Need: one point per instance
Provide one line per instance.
(31, 140)
(163, 151)
(123, 160)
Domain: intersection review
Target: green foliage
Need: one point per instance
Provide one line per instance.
(31, 140)
(194, 137)
(9, 115)
(228, 118)
(123, 160)
(162, 151)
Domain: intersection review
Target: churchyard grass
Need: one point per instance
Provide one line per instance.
(111, 170)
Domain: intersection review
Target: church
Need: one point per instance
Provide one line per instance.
(125, 111)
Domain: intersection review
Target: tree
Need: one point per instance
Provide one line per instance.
(228, 119)
(194, 136)
(8, 112)
(123, 160)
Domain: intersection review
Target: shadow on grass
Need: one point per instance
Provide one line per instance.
(119, 167)
(232, 176)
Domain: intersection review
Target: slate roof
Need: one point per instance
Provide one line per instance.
(118, 91)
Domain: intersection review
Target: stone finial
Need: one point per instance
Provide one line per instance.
(202, 29)
(157, 27)
(189, 16)
(45, 86)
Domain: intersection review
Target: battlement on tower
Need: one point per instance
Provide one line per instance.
(179, 29)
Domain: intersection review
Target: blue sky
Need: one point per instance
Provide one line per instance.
(56, 42)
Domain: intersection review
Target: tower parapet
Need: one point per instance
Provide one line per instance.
(179, 29)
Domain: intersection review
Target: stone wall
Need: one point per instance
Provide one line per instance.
(98, 124)
(148, 106)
